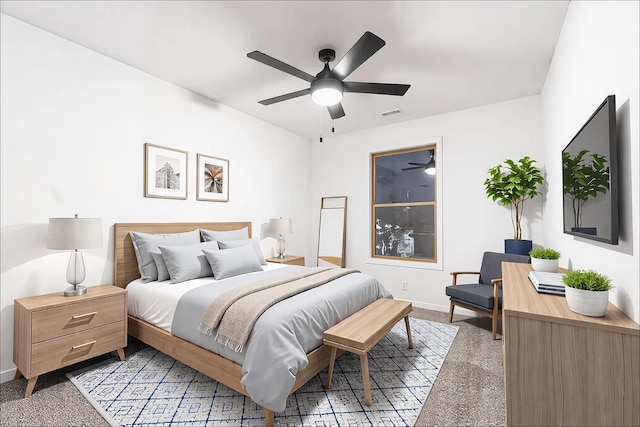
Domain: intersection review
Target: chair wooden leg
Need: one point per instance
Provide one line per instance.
(494, 326)
(451, 312)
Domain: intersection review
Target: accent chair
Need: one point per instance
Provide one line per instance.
(481, 296)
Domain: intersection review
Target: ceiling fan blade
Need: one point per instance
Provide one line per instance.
(417, 164)
(336, 111)
(366, 46)
(376, 88)
(415, 167)
(279, 65)
(285, 97)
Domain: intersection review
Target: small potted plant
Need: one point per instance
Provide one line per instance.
(587, 292)
(512, 184)
(544, 259)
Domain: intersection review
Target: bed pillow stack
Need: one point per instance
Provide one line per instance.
(183, 256)
(145, 244)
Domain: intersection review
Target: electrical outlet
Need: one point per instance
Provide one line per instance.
(404, 285)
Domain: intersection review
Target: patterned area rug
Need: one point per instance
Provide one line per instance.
(153, 389)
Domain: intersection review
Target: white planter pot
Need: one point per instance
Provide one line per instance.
(548, 265)
(589, 303)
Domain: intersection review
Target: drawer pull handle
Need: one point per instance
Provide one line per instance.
(75, 347)
(80, 316)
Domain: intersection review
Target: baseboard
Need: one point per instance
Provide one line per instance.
(7, 375)
(445, 308)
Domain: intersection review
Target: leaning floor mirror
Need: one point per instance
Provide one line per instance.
(332, 231)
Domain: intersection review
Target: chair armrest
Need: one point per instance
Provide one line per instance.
(496, 287)
(456, 273)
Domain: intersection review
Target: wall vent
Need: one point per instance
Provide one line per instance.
(390, 112)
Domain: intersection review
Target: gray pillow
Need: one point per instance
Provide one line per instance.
(187, 262)
(232, 262)
(245, 242)
(145, 243)
(163, 273)
(209, 235)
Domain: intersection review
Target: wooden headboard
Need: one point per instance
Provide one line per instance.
(125, 265)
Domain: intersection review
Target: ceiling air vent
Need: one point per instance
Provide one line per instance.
(390, 112)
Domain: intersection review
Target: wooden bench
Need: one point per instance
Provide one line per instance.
(361, 331)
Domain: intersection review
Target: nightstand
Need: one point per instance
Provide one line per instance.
(52, 331)
(289, 259)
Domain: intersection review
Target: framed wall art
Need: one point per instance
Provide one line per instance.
(213, 179)
(165, 171)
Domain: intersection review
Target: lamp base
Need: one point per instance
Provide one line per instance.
(74, 291)
(280, 247)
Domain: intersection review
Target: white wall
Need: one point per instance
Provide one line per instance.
(473, 141)
(597, 55)
(74, 124)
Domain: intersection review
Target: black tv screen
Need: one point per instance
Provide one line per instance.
(590, 177)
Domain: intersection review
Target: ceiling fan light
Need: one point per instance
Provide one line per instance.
(326, 96)
(326, 91)
(431, 167)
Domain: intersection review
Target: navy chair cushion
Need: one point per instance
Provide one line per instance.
(479, 295)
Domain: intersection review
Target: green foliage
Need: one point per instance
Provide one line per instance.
(544, 253)
(584, 179)
(511, 184)
(587, 280)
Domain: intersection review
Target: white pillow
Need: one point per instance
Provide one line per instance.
(222, 244)
(209, 235)
(233, 262)
(145, 243)
(187, 262)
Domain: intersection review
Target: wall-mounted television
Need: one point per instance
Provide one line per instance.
(590, 177)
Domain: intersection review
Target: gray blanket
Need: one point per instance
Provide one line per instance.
(281, 338)
(235, 312)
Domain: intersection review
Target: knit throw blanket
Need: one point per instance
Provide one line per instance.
(235, 312)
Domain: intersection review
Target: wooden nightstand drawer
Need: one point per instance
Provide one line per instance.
(59, 352)
(68, 319)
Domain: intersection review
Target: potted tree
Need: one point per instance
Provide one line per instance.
(511, 184)
(587, 292)
(584, 179)
(544, 259)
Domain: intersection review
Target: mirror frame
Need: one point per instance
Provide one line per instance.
(326, 204)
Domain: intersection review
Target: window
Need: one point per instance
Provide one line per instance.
(404, 204)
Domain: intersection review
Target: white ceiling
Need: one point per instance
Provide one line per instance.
(454, 54)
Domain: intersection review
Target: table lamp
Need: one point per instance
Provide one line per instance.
(75, 233)
(280, 226)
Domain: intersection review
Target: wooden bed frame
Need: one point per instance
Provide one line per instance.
(210, 364)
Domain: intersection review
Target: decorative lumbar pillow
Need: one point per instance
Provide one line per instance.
(187, 262)
(210, 235)
(163, 273)
(223, 244)
(145, 243)
(232, 262)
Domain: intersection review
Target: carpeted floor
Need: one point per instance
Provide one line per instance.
(469, 389)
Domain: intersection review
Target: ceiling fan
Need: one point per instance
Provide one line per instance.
(328, 85)
(429, 167)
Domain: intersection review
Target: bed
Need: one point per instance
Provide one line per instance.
(219, 368)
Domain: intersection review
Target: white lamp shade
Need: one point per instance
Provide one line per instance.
(281, 226)
(74, 233)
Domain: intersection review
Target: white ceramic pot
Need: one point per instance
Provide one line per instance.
(548, 265)
(589, 303)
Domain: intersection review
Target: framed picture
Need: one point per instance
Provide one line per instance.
(165, 171)
(213, 179)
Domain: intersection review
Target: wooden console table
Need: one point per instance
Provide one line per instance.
(562, 368)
